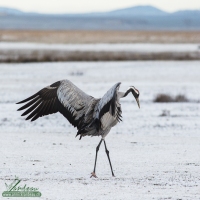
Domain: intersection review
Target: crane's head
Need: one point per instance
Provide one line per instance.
(135, 93)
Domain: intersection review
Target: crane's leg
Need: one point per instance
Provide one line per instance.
(97, 149)
(107, 152)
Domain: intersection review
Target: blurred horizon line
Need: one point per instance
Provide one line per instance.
(147, 6)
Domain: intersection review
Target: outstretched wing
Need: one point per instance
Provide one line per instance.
(62, 96)
(108, 104)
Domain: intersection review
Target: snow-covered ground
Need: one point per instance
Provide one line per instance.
(137, 47)
(153, 157)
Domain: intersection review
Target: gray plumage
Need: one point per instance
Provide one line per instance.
(91, 116)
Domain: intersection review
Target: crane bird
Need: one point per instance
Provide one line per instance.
(91, 116)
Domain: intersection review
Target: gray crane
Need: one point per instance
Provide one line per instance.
(91, 116)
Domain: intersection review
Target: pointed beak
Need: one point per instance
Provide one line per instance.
(138, 102)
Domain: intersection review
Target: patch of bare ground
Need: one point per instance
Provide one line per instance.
(166, 98)
(78, 37)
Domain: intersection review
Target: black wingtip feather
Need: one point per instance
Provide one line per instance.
(32, 107)
(28, 99)
(29, 103)
(34, 118)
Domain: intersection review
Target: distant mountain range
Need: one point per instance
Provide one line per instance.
(133, 18)
(138, 11)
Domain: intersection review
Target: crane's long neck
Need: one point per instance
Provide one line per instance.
(127, 92)
(134, 91)
(124, 94)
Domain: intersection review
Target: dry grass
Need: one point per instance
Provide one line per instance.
(165, 98)
(180, 98)
(80, 37)
(75, 37)
(59, 55)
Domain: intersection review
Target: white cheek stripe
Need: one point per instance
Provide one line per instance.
(136, 91)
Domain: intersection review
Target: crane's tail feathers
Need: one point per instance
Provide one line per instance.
(95, 123)
(87, 128)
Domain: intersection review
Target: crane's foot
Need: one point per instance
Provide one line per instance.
(93, 175)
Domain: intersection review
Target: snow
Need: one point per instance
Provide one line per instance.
(137, 47)
(153, 157)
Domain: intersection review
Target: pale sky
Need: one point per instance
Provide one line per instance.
(81, 6)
